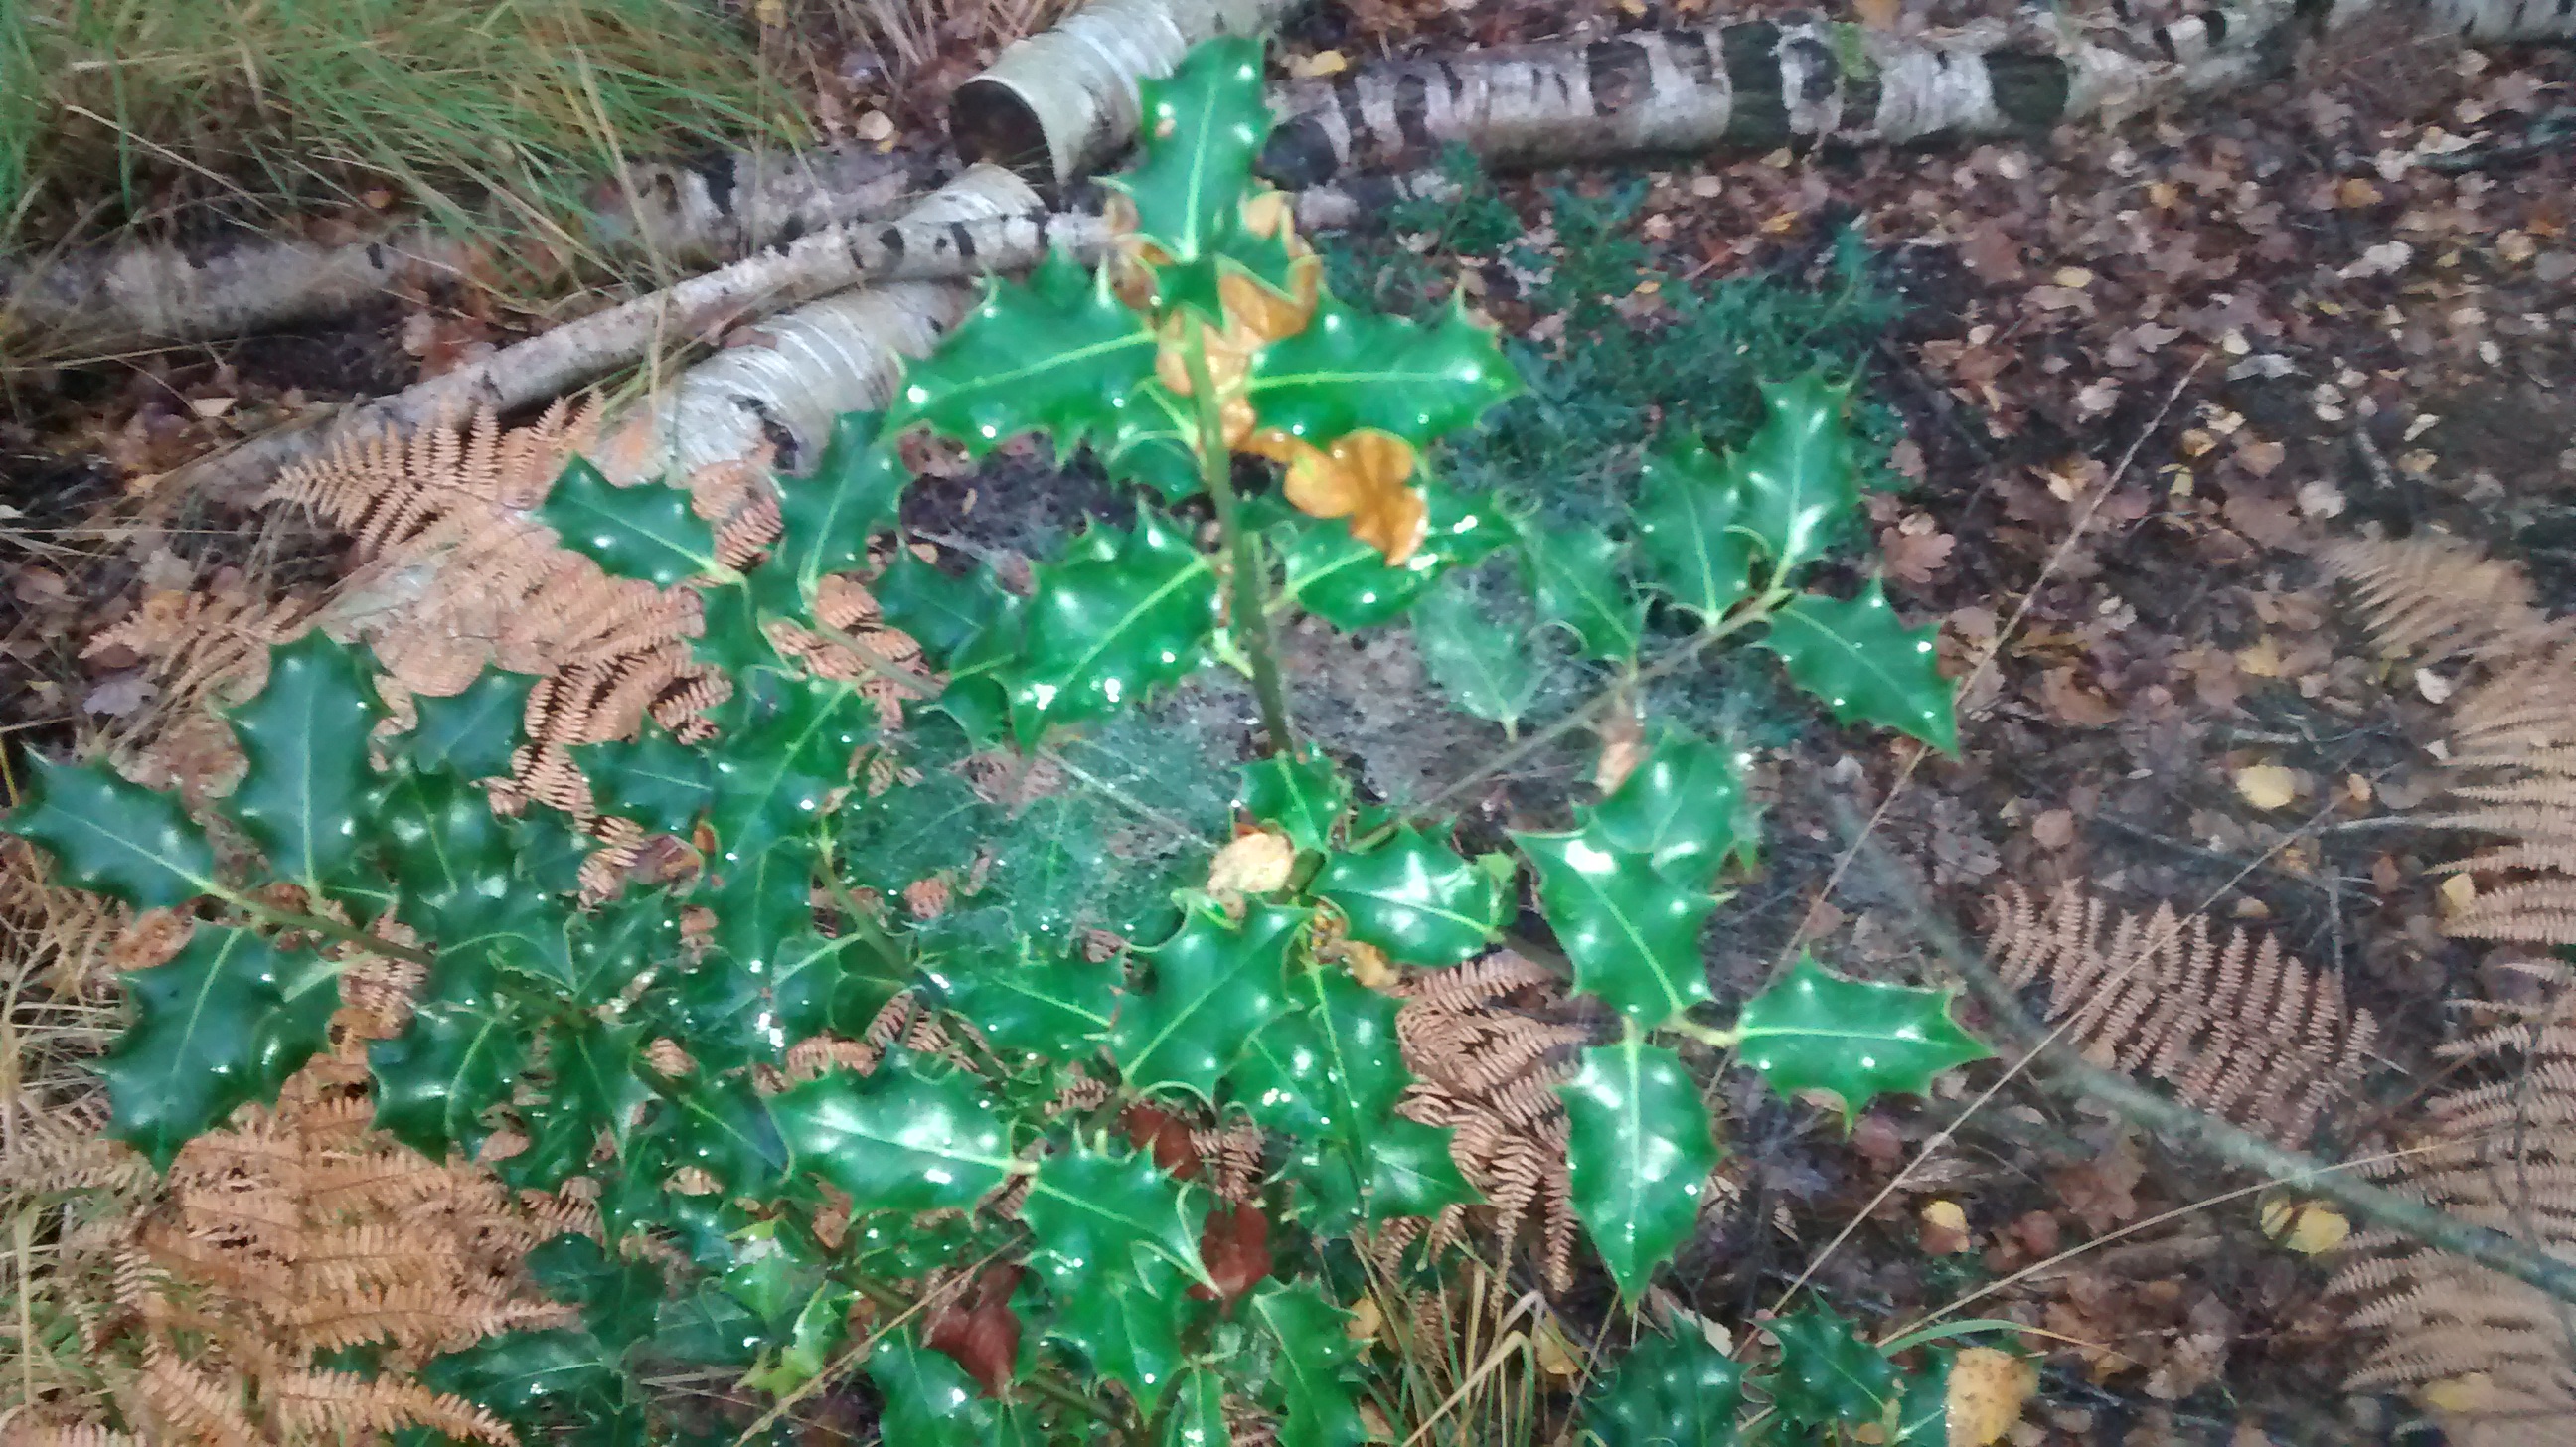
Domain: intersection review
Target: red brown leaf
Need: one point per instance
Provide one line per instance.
(980, 1330)
(1167, 1135)
(1236, 1247)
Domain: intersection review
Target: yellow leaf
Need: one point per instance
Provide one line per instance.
(1257, 863)
(2304, 1226)
(1368, 965)
(1987, 1390)
(1553, 1358)
(2267, 786)
(1321, 63)
(1365, 1320)
(1945, 1216)
(1363, 477)
(2262, 660)
(2458, 893)
(2457, 1394)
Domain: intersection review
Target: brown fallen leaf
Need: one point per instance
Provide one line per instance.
(1988, 1388)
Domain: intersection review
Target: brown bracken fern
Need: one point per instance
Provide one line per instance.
(2494, 1359)
(1487, 1055)
(2432, 597)
(2235, 1026)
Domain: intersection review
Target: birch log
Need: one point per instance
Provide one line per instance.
(577, 352)
(684, 215)
(1059, 102)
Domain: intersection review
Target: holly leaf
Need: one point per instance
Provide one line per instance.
(1058, 1008)
(1827, 1374)
(1130, 1334)
(646, 532)
(1350, 369)
(1197, 1418)
(820, 1326)
(1214, 985)
(828, 518)
(471, 734)
(456, 1059)
(222, 1024)
(114, 838)
(306, 738)
(1683, 807)
(1689, 546)
(1312, 1347)
(1347, 583)
(897, 1139)
(1414, 898)
(771, 778)
(724, 1128)
(1332, 1073)
(655, 780)
(451, 860)
(525, 1377)
(1576, 574)
(836, 985)
(1855, 1040)
(1794, 482)
(939, 612)
(1668, 1391)
(1110, 623)
(1204, 124)
(617, 1297)
(1117, 1242)
(1057, 353)
(1631, 931)
(1304, 797)
(1638, 1155)
(931, 1402)
(1482, 664)
(1865, 665)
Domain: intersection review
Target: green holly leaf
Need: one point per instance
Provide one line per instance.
(1204, 124)
(471, 734)
(1348, 584)
(1197, 1417)
(1632, 933)
(454, 1061)
(593, 1065)
(939, 612)
(306, 738)
(897, 1139)
(1638, 1155)
(771, 778)
(527, 1377)
(646, 532)
(1350, 369)
(836, 985)
(931, 1402)
(610, 946)
(1332, 1072)
(1482, 664)
(829, 517)
(1865, 665)
(1576, 574)
(617, 1298)
(1156, 441)
(1214, 985)
(1794, 482)
(114, 838)
(724, 1128)
(1855, 1040)
(1689, 545)
(1304, 797)
(1827, 1375)
(760, 902)
(1110, 623)
(222, 1024)
(1100, 1221)
(1668, 1391)
(1129, 1333)
(1414, 898)
(1923, 1414)
(451, 859)
(818, 1331)
(655, 780)
(1306, 1382)
(1057, 1008)
(1683, 807)
(1057, 353)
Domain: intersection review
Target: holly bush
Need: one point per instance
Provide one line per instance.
(1104, 1297)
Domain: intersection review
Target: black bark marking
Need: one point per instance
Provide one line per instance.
(1621, 73)
(1824, 70)
(1756, 118)
(1690, 51)
(2217, 22)
(965, 236)
(891, 241)
(1413, 109)
(774, 430)
(2030, 90)
(1299, 153)
(723, 178)
(375, 256)
(1346, 99)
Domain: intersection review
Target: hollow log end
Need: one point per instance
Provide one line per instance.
(989, 120)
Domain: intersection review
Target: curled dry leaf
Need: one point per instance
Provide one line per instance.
(1364, 476)
(1236, 1248)
(1987, 1390)
(980, 1330)
(1256, 863)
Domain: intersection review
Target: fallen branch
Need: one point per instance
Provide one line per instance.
(999, 228)
(1056, 104)
(688, 216)
(1759, 85)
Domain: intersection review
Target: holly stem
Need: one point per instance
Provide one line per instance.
(1250, 615)
(1708, 1035)
(328, 928)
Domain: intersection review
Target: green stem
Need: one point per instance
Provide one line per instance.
(1251, 618)
(328, 928)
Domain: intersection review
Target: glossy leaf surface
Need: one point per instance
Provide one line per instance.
(221, 1025)
(1577, 576)
(1639, 1153)
(1111, 623)
(1689, 545)
(897, 1138)
(1213, 986)
(1414, 898)
(646, 532)
(1683, 807)
(1669, 1390)
(1316, 1404)
(471, 734)
(1304, 798)
(1484, 666)
(1827, 1375)
(1632, 933)
(1057, 353)
(1349, 369)
(1795, 482)
(118, 839)
(1853, 1039)
(1865, 665)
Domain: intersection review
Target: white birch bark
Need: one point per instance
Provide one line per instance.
(1059, 102)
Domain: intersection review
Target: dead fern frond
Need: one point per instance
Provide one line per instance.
(1486, 1056)
(2501, 1152)
(2234, 1025)
(2434, 597)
